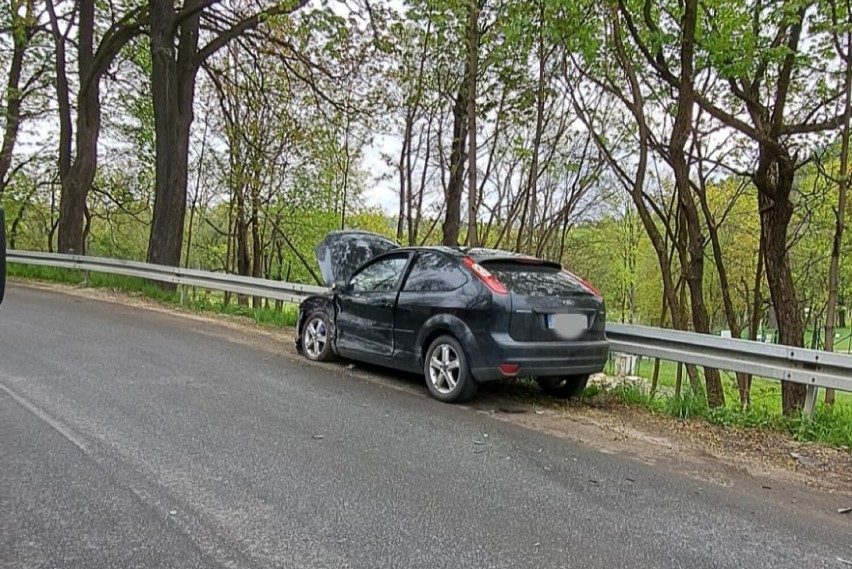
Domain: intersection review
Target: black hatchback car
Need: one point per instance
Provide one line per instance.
(461, 316)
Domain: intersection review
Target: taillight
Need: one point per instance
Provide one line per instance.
(487, 278)
(584, 283)
(509, 369)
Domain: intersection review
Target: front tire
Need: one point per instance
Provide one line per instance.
(316, 337)
(447, 371)
(563, 387)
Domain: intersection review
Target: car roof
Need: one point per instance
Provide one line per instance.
(478, 254)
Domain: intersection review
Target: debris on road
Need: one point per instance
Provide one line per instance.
(806, 460)
(844, 561)
(318, 437)
(172, 512)
(844, 510)
(511, 410)
(478, 442)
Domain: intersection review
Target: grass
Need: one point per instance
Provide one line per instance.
(831, 425)
(764, 392)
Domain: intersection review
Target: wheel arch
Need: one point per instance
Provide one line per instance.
(441, 325)
(309, 306)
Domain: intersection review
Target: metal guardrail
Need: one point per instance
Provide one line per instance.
(813, 368)
(249, 286)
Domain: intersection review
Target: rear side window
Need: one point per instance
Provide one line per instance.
(532, 280)
(434, 273)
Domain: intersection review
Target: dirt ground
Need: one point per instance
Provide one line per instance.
(808, 474)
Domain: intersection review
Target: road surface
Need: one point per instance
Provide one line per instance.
(132, 438)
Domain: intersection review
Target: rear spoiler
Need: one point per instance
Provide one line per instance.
(518, 259)
(2, 254)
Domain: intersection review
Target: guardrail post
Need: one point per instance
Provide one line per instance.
(182, 295)
(85, 272)
(810, 401)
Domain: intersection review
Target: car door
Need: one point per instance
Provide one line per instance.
(365, 319)
(431, 287)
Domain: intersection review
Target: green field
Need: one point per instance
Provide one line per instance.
(765, 393)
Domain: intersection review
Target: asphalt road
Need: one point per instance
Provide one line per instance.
(130, 438)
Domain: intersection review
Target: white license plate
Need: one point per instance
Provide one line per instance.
(568, 325)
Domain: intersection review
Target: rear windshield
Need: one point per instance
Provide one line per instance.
(532, 280)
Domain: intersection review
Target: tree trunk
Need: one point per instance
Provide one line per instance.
(530, 203)
(415, 217)
(173, 86)
(743, 380)
(256, 241)
(473, 66)
(692, 256)
(404, 164)
(75, 186)
(452, 218)
(775, 181)
(831, 311)
(63, 97)
(755, 317)
(22, 33)
(196, 195)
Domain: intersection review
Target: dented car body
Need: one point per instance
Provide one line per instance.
(460, 316)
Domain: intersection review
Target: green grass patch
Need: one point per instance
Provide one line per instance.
(764, 392)
(831, 425)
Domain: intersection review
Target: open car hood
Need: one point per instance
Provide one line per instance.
(342, 252)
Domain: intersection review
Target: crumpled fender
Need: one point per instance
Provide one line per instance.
(308, 307)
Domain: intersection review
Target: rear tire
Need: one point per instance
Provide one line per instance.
(563, 387)
(316, 337)
(447, 371)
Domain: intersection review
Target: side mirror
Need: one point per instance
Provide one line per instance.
(2, 254)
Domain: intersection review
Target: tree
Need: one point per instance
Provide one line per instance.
(22, 26)
(845, 55)
(619, 96)
(768, 86)
(177, 56)
(93, 61)
(473, 39)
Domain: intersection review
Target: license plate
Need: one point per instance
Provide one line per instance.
(568, 325)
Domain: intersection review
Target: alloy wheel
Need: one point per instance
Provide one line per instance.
(444, 369)
(316, 337)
